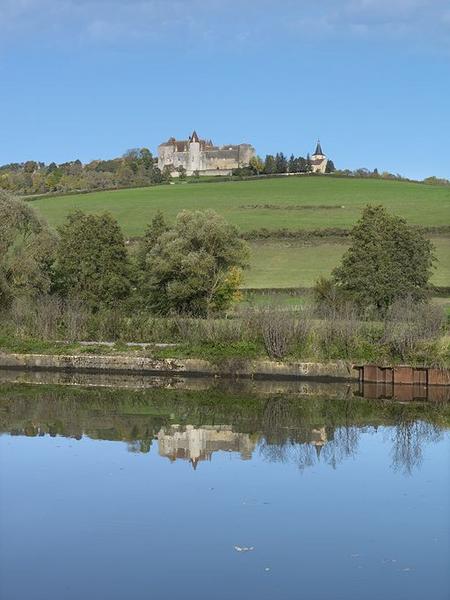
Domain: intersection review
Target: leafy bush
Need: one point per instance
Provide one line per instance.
(387, 260)
(339, 332)
(278, 331)
(194, 267)
(92, 261)
(26, 251)
(409, 324)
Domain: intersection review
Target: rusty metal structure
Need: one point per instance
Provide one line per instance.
(404, 382)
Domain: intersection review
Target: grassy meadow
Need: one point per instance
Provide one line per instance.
(285, 264)
(294, 202)
(304, 203)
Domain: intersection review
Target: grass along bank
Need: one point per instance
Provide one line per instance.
(414, 334)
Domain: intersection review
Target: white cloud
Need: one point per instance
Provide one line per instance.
(213, 21)
(410, 21)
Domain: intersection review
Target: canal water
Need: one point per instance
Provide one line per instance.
(221, 492)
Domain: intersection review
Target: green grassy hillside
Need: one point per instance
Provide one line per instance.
(242, 202)
(281, 264)
(290, 202)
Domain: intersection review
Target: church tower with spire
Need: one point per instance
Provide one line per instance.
(319, 160)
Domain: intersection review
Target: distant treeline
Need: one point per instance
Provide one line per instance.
(363, 173)
(279, 163)
(138, 168)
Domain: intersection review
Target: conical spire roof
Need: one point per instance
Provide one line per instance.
(318, 149)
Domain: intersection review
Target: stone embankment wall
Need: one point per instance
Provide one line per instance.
(336, 371)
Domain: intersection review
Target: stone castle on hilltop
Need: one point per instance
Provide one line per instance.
(199, 155)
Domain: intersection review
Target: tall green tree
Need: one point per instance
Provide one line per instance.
(281, 164)
(146, 159)
(194, 267)
(154, 230)
(308, 164)
(156, 175)
(330, 168)
(92, 262)
(166, 176)
(292, 164)
(181, 173)
(256, 164)
(156, 227)
(27, 250)
(269, 165)
(387, 260)
(302, 165)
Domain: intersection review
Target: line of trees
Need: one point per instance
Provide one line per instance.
(137, 167)
(363, 173)
(278, 164)
(195, 265)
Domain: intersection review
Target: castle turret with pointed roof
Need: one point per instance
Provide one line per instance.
(319, 160)
(194, 137)
(318, 151)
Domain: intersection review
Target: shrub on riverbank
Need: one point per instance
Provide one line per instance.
(409, 333)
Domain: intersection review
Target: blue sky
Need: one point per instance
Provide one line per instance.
(91, 78)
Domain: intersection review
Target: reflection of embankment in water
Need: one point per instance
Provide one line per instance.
(135, 382)
(237, 385)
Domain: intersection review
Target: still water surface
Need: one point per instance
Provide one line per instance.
(199, 495)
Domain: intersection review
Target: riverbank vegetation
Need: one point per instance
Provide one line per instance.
(181, 285)
(409, 333)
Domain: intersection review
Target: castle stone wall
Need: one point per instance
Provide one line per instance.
(198, 155)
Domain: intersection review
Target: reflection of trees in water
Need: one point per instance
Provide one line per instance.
(304, 441)
(301, 439)
(341, 443)
(291, 428)
(408, 438)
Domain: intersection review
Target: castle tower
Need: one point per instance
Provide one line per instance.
(319, 160)
(194, 153)
(318, 153)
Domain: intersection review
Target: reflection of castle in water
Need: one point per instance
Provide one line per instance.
(318, 439)
(198, 444)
